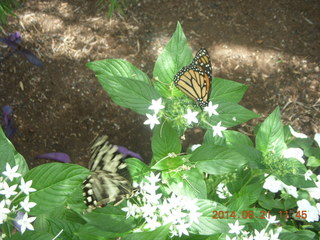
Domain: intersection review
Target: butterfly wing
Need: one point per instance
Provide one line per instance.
(103, 187)
(195, 79)
(109, 179)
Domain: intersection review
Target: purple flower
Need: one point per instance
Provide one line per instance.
(18, 217)
(15, 37)
(57, 156)
(127, 153)
(13, 41)
(8, 121)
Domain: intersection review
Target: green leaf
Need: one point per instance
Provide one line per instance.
(248, 195)
(237, 138)
(118, 68)
(129, 93)
(295, 175)
(216, 140)
(165, 140)
(176, 55)
(313, 162)
(55, 183)
(161, 233)
(69, 228)
(34, 235)
(8, 154)
(137, 169)
(298, 235)
(231, 114)
(90, 232)
(168, 163)
(270, 137)
(188, 183)
(207, 225)
(269, 202)
(227, 91)
(114, 216)
(216, 160)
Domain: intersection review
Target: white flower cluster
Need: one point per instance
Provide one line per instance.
(22, 221)
(274, 185)
(263, 234)
(156, 106)
(181, 212)
(313, 212)
(222, 191)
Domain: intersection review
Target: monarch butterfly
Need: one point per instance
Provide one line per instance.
(195, 79)
(109, 179)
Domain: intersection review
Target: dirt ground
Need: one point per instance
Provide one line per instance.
(272, 46)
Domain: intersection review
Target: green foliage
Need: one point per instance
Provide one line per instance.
(226, 175)
(112, 5)
(6, 9)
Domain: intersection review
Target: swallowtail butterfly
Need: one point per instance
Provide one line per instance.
(109, 179)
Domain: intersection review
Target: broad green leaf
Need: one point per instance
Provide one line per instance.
(176, 55)
(269, 202)
(129, 93)
(168, 163)
(293, 174)
(90, 232)
(69, 228)
(298, 235)
(118, 68)
(188, 183)
(248, 195)
(114, 216)
(227, 91)
(161, 233)
(8, 154)
(237, 138)
(165, 140)
(216, 140)
(55, 183)
(137, 169)
(207, 225)
(231, 114)
(34, 235)
(270, 136)
(216, 160)
(313, 162)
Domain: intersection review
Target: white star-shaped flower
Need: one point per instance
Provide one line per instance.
(26, 186)
(191, 116)
(211, 109)
(307, 175)
(156, 105)
(182, 228)
(8, 191)
(11, 173)
(153, 178)
(217, 130)
(26, 205)
(152, 120)
(131, 209)
(235, 228)
(272, 219)
(3, 211)
(25, 222)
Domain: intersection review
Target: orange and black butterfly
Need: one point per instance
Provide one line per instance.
(195, 79)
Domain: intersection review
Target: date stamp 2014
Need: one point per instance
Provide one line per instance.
(261, 214)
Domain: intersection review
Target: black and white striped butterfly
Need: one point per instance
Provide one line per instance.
(109, 179)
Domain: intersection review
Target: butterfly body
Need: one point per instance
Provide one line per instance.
(109, 179)
(195, 79)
